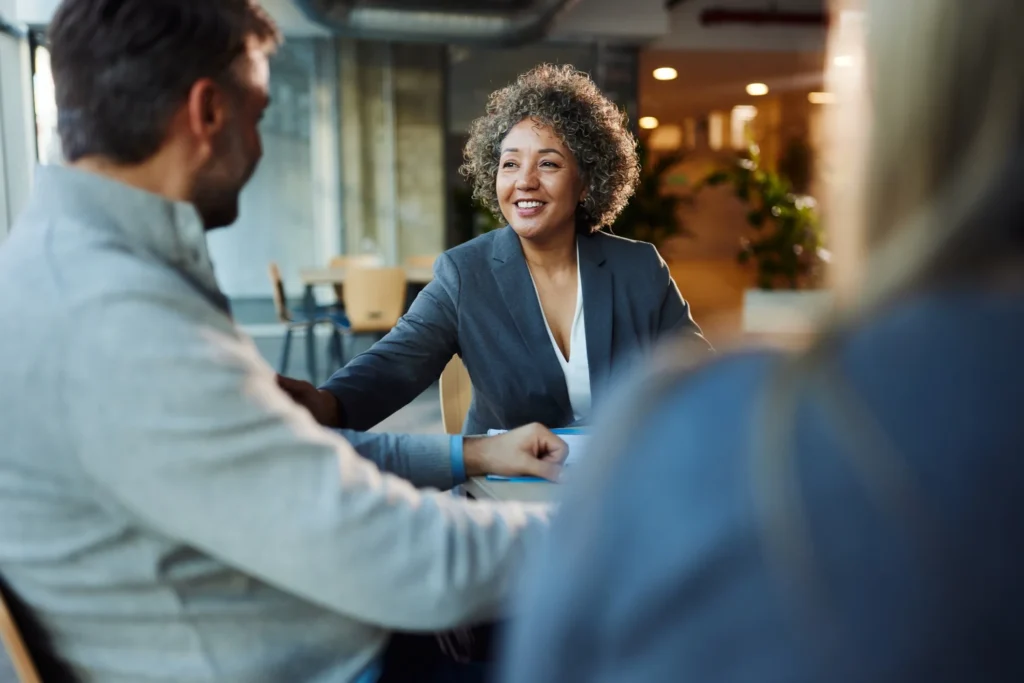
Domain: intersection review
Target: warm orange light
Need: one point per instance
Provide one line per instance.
(821, 98)
(648, 122)
(757, 89)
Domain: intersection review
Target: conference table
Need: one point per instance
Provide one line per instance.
(483, 488)
(311, 277)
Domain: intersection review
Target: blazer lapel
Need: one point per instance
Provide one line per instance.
(597, 311)
(520, 296)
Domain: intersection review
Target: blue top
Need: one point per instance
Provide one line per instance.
(884, 545)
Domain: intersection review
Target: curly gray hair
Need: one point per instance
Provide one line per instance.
(589, 124)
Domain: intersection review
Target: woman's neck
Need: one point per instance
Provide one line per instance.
(551, 255)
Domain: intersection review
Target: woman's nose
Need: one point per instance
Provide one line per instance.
(526, 179)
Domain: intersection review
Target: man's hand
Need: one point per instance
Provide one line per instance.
(528, 451)
(320, 403)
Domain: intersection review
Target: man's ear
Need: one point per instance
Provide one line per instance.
(207, 109)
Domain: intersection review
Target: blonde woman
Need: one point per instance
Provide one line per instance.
(851, 514)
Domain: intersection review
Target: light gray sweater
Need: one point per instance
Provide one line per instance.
(165, 511)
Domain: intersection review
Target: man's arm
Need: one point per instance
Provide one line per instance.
(400, 367)
(425, 460)
(194, 439)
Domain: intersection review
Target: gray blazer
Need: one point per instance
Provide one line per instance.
(482, 306)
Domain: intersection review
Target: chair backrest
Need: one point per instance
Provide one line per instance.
(353, 261)
(15, 646)
(456, 395)
(421, 261)
(374, 298)
(357, 261)
(280, 301)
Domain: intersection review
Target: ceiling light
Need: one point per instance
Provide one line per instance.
(666, 73)
(648, 122)
(821, 98)
(757, 89)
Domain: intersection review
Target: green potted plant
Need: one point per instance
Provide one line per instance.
(652, 214)
(785, 247)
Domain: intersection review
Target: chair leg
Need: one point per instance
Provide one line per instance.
(282, 366)
(339, 348)
(311, 355)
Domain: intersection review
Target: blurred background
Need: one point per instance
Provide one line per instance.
(372, 100)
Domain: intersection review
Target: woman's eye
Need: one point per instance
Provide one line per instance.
(508, 164)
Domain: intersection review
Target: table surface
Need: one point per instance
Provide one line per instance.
(336, 276)
(519, 491)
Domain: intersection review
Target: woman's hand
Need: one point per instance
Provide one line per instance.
(319, 402)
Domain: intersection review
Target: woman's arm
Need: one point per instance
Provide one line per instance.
(398, 368)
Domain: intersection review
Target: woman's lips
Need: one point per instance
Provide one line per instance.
(529, 209)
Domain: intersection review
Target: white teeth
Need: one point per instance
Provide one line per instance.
(528, 205)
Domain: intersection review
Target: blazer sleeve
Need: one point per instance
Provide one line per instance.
(673, 318)
(411, 357)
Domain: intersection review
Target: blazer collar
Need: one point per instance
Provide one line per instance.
(590, 248)
(598, 310)
(507, 247)
(517, 291)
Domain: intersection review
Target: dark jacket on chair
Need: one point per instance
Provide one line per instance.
(482, 305)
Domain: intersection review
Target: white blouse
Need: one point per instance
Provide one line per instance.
(577, 367)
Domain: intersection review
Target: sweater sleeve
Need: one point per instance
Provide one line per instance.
(194, 439)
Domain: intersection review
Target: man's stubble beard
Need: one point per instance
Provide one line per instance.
(217, 192)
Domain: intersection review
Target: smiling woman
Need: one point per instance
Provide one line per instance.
(564, 107)
(544, 311)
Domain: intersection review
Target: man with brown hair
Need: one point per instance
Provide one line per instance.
(167, 513)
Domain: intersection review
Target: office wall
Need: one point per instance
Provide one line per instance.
(392, 127)
(17, 136)
(290, 211)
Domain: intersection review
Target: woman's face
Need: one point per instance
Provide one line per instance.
(539, 184)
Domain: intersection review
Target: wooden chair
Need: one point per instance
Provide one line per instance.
(293, 320)
(456, 395)
(15, 646)
(353, 261)
(374, 300)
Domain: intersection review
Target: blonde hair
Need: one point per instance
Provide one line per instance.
(928, 155)
(944, 96)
